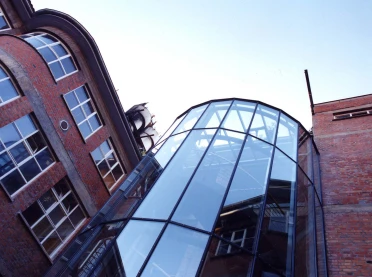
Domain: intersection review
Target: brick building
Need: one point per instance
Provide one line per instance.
(65, 143)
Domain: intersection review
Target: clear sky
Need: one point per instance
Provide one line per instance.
(175, 54)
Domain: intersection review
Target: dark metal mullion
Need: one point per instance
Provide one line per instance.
(148, 219)
(225, 195)
(262, 212)
(227, 112)
(241, 119)
(190, 227)
(178, 201)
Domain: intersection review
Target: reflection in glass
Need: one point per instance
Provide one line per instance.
(199, 206)
(178, 253)
(171, 129)
(169, 148)
(174, 178)
(287, 136)
(239, 116)
(264, 123)
(190, 119)
(304, 152)
(135, 242)
(214, 115)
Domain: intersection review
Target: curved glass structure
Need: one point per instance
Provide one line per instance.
(231, 189)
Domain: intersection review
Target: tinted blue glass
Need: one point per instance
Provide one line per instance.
(163, 196)
(199, 206)
(47, 54)
(105, 147)
(78, 115)
(13, 182)
(71, 100)
(97, 155)
(214, 115)
(3, 74)
(6, 163)
(25, 125)
(19, 152)
(68, 65)
(3, 24)
(88, 108)
(81, 94)
(85, 129)
(7, 90)
(56, 70)
(59, 50)
(48, 39)
(178, 253)
(239, 116)
(94, 122)
(190, 119)
(169, 148)
(9, 135)
(287, 136)
(264, 123)
(135, 242)
(34, 42)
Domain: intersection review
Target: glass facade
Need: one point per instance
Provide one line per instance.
(231, 190)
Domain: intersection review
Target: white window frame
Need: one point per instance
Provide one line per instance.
(112, 151)
(6, 20)
(36, 35)
(33, 155)
(86, 117)
(12, 99)
(55, 226)
(239, 242)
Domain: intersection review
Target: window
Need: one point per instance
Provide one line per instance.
(7, 89)
(4, 25)
(83, 111)
(54, 217)
(108, 164)
(54, 53)
(352, 113)
(24, 154)
(238, 237)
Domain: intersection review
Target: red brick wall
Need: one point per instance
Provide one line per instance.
(346, 168)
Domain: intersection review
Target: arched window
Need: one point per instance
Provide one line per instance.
(54, 53)
(7, 90)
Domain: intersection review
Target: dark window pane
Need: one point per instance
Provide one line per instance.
(117, 172)
(34, 42)
(3, 24)
(135, 242)
(6, 164)
(169, 148)
(25, 125)
(233, 262)
(30, 169)
(60, 51)
(56, 70)
(51, 243)
(7, 90)
(111, 160)
(103, 168)
(13, 182)
(44, 158)
(76, 217)
(47, 200)
(81, 94)
(65, 229)
(9, 135)
(190, 119)
(32, 213)
(69, 203)
(61, 188)
(85, 129)
(264, 123)
(42, 229)
(304, 152)
(71, 100)
(175, 177)
(48, 39)
(68, 65)
(47, 54)
(214, 115)
(97, 155)
(19, 152)
(94, 122)
(36, 142)
(78, 115)
(287, 136)
(187, 249)
(109, 180)
(105, 147)
(199, 206)
(88, 108)
(56, 215)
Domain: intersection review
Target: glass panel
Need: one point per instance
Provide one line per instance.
(304, 264)
(85, 129)
(199, 206)
(105, 147)
(3, 74)
(61, 188)
(71, 100)
(264, 123)
(65, 229)
(103, 168)
(190, 119)
(170, 130)
(135, 242)
(13, 182)
(94, 122)
(47, 39)
(173, 180)
(276, 238)
(88, 108)
(9, 135)
(25, 125)
(6, 164)
(33, 213)
(78, 114)
(7, 90)
(239, 116)
(56, 69)
(69, 203)
(111, 160)
(19, 152)
(35, 42)
(178, 253)
(76, 217)
(214, 115)
(51, 243)
(60, 51)
(225, 260)
(42, 229)
(36, 142)
(3, 24)
(117, 172)
(47, 54)
(30, 169)
(47, 200)
(81, 94)
(169, 148)
(109, 180)
(287, 136)
(68, 65)
(97, 155)
(56, 215)
(44, 158)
